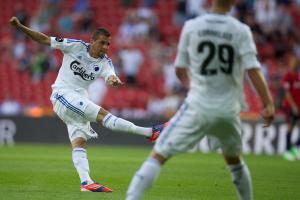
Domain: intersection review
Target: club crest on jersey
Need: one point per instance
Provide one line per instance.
(96, 68)
(80, 71)
(58, 39)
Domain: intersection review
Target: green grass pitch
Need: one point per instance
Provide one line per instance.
(30, 172)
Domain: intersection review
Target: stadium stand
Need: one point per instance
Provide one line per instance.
(157, 46)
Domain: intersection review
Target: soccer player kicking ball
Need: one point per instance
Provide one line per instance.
(82, 64)
(214, 49)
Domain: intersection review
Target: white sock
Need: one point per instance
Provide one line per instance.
(81, 164)
(118, 124)
(241, 179)
(143, 179)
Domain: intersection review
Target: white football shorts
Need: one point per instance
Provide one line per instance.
(191, 124)
(77, 111)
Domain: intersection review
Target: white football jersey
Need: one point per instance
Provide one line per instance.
(216, 49)
(78, 68)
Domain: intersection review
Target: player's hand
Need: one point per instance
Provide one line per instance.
(114, 81)
(14, 21)
(268, 114)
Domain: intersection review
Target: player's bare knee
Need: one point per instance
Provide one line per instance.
(158, 157)
(232, 160)
(101, 114)
(79, 143)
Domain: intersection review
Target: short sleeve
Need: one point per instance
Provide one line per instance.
(247, 50)
(250, 61)
(247, 44)
(181, 59)
(67, 45)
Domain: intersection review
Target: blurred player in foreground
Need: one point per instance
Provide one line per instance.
(82, 64)
(213, 52)
(291, 85)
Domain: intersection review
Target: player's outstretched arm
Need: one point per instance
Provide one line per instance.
(261, 87)
(35, 35)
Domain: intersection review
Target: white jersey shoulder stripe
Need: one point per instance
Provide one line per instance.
(109, 61)
(74, 40)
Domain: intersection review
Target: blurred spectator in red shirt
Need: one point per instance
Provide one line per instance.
(291, 104)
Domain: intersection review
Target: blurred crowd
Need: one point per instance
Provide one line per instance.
(143, 49)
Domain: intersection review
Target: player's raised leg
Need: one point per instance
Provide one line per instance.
(114, 123)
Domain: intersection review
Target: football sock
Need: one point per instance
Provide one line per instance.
(118, 124)
(298, 142)
(143, 179)
(288, 141)
(241, 179)
(81, 164)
